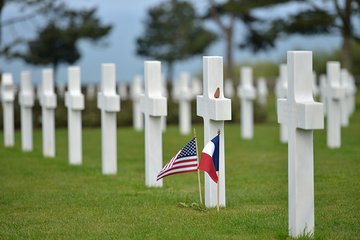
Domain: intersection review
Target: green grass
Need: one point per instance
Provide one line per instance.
(43, 198)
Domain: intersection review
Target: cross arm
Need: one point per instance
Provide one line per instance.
(215, 109)
(307, 115)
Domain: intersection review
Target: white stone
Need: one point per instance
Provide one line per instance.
(185, 96)
(334, 95)
(229, 89)
(315, 87)
(281, 92)
(123, 91)
(262, 91)
(323, 90)
(247, 94)
(135, 91)
(109, 104)
(90, 91)
(302, 115)
(74, 101)
(154, 107)
(7, 99)
(48, 104)
(26, 101)
(214, 112)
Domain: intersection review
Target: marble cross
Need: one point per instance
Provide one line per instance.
(135, 91)
(281, 92)
(109, 104)
(214, 110)
(262, 91)
(302, 115)
(247, 95)
(184, 98)
(334, 95)
(48, 104)
(74, 101)
(7, 99)
(26, 100)
(154, 107)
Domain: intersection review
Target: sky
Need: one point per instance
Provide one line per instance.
(127, 18)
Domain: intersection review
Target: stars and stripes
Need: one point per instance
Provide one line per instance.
(184, 161)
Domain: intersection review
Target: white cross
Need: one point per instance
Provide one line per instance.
(48, 104)
(184, 97)
(7, 98)
(302, 115)
(247, 95)
(281, 92)
(26, 101)
(136, 91)
(323, 89)
(214, 111)
(154, 106)
(262, 91)
(74, 101)
(334, 95)
(109, 104)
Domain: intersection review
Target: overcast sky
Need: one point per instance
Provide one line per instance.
(127, 18)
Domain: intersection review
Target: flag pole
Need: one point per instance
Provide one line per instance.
(218, 183)
(198, 170)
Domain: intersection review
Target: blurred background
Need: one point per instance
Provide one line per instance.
(58, 33)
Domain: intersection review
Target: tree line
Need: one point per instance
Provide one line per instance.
(175, 31)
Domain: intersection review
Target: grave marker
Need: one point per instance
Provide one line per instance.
(74, 101)
(154, 107)
(26, 101)
(262, 91)
(334, 95)
(281, 92)
(109, 104)
(214, 112)
(7, 99)
(184, 99)
(247, 95)
(136, 91)
(323, 90)
(302, 115)
(48, 104)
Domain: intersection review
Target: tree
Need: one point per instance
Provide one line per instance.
(329, 17)
(227, 13)
(173, 32)
(58, 41)
(28, 10)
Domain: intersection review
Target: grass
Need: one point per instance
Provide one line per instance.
(43, 198)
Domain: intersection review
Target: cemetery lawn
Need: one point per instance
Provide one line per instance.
(42, 198)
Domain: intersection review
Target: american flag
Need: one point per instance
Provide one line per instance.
(184, 161)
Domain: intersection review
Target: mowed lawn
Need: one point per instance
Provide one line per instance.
(42, 198)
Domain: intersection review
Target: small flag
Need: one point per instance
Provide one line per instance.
(184, 161)
(209, 161)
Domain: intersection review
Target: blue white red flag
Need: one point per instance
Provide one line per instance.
(184, 161)
(209, 161)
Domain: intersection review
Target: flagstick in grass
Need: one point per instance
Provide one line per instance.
(198, 170)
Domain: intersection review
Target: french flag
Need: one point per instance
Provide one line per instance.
(209, 161)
